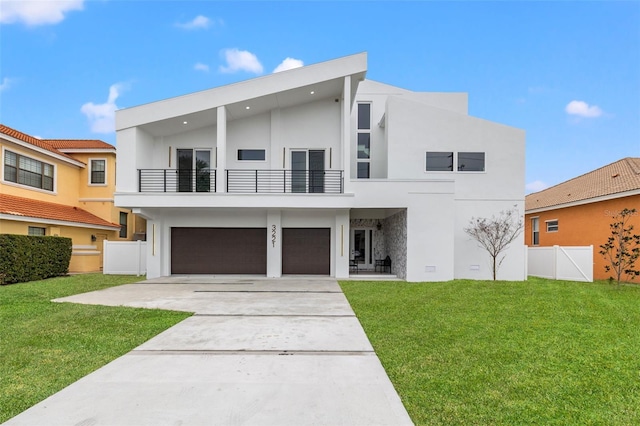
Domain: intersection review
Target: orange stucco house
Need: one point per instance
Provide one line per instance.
(63, 188)
(578, 212)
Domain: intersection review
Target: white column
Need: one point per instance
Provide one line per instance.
(274, 243)
(341, 246)
(346, 132)
(221, 158)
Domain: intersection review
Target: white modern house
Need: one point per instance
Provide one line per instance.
(317, 170)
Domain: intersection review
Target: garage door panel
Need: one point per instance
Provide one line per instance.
(306, 251)
(218, 250)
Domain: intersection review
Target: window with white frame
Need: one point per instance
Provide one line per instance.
(98, 172)
(37, 231)
(27, 171)
(535, 231)
(439, 161)
(552, 225)
(471, 161)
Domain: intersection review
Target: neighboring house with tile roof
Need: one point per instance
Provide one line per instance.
(578, 212)
(61, 187)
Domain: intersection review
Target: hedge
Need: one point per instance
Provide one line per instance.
(28, 258)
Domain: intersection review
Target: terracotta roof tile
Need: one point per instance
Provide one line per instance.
(19, 206)
(55, 145)
(614, 178)
(79, 144)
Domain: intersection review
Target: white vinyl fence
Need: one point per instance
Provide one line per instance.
(561, 263)
(125, 258)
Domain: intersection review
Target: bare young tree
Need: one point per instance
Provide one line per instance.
(495, 234)
(622, 248)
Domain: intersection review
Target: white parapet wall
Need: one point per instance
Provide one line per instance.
(125, 258)
(561, 263)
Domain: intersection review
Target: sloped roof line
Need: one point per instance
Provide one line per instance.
(27, 207)
(618, 177)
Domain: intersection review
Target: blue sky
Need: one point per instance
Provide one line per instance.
(567, 72)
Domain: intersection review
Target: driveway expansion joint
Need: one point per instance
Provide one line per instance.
(147, 352)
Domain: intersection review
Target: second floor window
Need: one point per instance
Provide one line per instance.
(98, 172)
(27, 171)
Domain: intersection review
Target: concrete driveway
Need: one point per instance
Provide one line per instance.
(257, 352)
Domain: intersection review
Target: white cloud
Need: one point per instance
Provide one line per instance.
(201, 67)
(240, 60)
(34, 12)
(288, 64)
(197, 23)
(536, 185)
(6, 84)
(102, 116)
(583, 109)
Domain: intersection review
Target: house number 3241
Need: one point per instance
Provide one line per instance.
(273, 235)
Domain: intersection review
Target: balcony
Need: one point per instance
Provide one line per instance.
(173, 180)
(243, 181)
(285, 181)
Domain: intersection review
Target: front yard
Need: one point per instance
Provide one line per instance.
(483, 352)
(46, 346)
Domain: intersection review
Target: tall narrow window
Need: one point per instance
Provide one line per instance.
(535, 231)
(123, 224)
(98, 172)
(364, 141)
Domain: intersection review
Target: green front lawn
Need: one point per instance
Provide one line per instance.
(45, 346)
(484, 352)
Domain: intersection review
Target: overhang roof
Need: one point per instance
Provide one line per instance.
(26, 207)
(278, 90)
(56, 147)
(620, 177)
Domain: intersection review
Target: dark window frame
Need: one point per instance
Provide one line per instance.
(123, 224)
(96, 175)
(250, 153)
(23, 176)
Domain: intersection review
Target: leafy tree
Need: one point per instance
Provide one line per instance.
(495, 234)
(622, 248)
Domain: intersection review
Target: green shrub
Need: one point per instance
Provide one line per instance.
(28, 258)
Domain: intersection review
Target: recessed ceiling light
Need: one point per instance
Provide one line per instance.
(312, 92)
(184, 122)
(248, 107)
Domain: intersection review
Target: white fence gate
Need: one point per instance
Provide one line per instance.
(125, 258)
(561, 263)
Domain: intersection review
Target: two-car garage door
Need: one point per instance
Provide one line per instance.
(244, 251)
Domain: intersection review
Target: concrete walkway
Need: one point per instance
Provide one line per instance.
(257, 352)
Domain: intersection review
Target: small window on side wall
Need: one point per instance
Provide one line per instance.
(123, 224)
(37, 231)
(552, 225)
(98, 172)
(471, 161)
(439, 161)
(535, 231)
(251, 155)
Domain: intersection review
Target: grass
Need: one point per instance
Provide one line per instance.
(507, 353)
(45, 346)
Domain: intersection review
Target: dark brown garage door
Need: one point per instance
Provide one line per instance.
(306, 251)
(218, 250)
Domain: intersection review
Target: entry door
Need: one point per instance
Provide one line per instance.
(194, 166)
(307, 170)
(361, 243)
